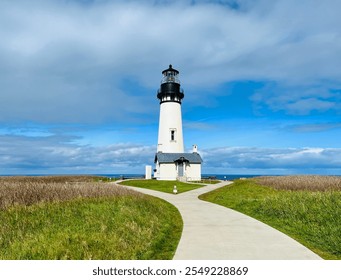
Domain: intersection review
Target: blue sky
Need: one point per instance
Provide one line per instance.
(78, 82)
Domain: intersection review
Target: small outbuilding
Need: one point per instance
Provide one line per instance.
(178, 166)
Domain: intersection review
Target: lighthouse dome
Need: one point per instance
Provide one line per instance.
(170, 75)
(170, 90)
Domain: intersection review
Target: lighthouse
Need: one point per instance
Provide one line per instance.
(170, 94)
(171, 162)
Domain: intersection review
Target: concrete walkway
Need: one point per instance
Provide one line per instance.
(214, 232)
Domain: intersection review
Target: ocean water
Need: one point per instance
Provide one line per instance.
(228, 177)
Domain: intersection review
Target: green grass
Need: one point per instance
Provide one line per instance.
(311, 217)
(162, 186)
(122, 227)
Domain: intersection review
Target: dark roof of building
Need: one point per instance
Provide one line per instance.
(174, 157)
(170, 69)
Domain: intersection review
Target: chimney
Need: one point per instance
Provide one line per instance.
(195, 149)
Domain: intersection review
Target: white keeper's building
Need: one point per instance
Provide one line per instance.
(171, 162)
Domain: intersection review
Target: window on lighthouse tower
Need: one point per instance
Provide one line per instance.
(172, 135)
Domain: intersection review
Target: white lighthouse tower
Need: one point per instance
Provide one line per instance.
(170, 139)
(171, 161)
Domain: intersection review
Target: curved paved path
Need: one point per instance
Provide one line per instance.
(214, 232)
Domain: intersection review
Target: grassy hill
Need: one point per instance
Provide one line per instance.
(77, 218)
(307, 208)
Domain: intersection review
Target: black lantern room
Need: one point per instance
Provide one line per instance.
(170, 90)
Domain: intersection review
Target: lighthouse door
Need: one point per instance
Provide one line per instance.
(180, 169)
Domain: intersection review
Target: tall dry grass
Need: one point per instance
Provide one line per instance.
(25, 190)
(111, 223)
(302, 182)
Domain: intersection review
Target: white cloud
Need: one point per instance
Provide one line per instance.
(298, 100)
(99, 62)
(315, 127)
(305, 106)
(73, 54)
(59, 154)
(272, 160)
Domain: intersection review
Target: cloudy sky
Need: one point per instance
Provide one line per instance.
(78, 82)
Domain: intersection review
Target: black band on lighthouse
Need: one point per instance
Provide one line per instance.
(170, 90)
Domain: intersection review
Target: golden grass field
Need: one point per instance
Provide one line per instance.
(29, 190)
(302, 182)
(83, 217)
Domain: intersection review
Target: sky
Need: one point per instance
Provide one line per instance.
(78, 83)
